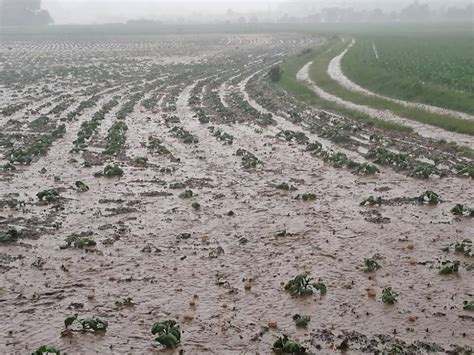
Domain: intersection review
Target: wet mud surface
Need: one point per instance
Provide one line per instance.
(199, 227)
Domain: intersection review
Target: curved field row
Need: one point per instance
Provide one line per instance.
(335, 72)
(431, 67)
(321, 60)
(421, 129)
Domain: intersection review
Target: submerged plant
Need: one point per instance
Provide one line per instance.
(110, 171)
(429, 197)
(81, 187)
(10, 236)
(371, 201)
(308, 196)
(301, 321)
(288, 346)
(168, 333)
(468, 305)
(465, 170)
(177, 185)
(186, 194)
(51, 195)
(463, 247)
(46, 350)
(88, 324)
(389, 296)
(302, 285)
(366, 169)
(78, 242)
(449, 267)
(249, 161)
(156, 146)
(462, 210)
(283, 186)
(425, 171)
(371, 265)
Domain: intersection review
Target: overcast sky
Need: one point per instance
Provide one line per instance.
(102, 11)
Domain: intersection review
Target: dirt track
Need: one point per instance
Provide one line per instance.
(336, 73)
(420, 128)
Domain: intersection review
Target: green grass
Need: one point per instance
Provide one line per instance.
(318, 73)
(436, 68)
(300, 91)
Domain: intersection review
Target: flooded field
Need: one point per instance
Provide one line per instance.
(166, 177)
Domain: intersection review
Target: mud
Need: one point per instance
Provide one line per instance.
(220, 269)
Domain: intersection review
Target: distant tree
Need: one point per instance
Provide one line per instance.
(275, 73)
(460, 14)
(415, 12)
(254, 19)
(23, 13)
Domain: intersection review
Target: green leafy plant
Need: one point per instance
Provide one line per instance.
(462, 210)
(46, 350)
(88, 324)
(168, 333)
(429, 197)
(186, 194)
(308, 196)
(366, 169)
(465, 170)
(389, 296)
(468, 305)
(81, 187)
(156, 146)
(425, 171)
(185, 136)
(51, 195)
(249, 160)
(449, 267)
(39, 146)
(302, 285)
(283, 186)
(141, 160)
(301, 321)
(10, 236)
(288, 346)
(78, 242)
(371, 265)
(110, 171)
(463, 247)
(288, 135)
(177, 185)
(8, 167)
(383, 156)
(371, 201)
(116, 138)
(126, 302)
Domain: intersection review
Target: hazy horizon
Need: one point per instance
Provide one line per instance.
(110, 11)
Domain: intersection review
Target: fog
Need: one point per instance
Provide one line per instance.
(112, 11)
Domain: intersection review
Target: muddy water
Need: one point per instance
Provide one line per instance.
(200, 281)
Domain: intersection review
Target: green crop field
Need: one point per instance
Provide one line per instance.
(435, 68)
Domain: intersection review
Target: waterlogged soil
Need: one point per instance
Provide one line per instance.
(220, 268)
